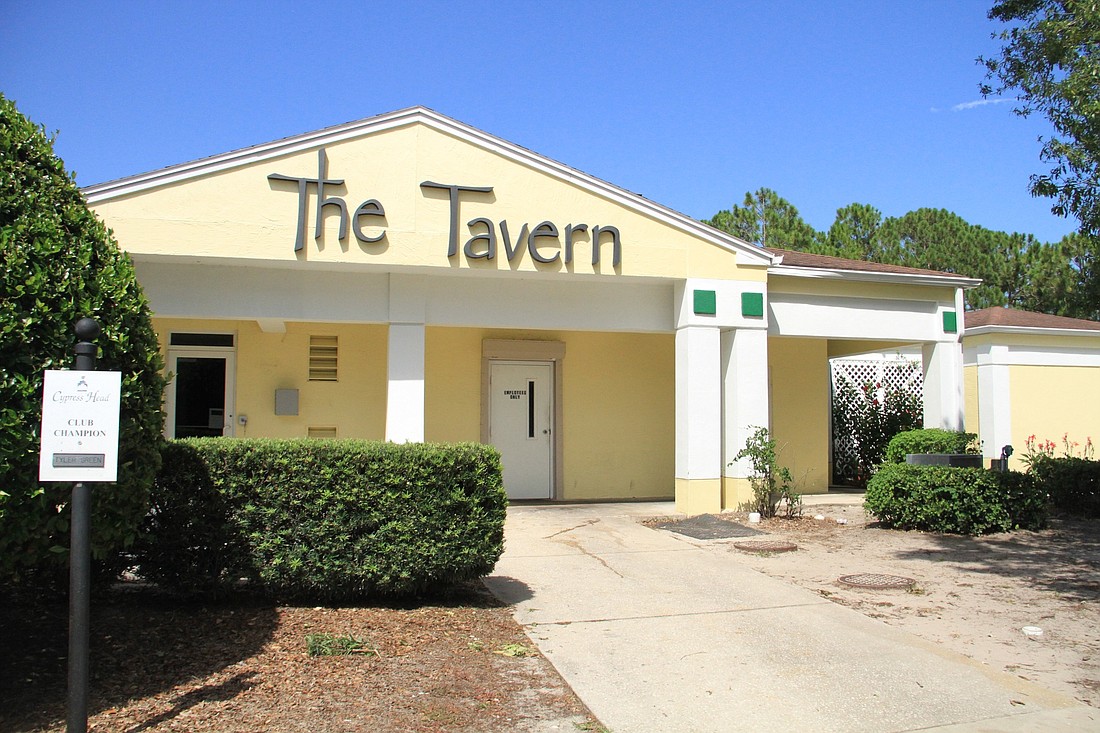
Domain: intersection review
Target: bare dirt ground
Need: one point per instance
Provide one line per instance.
(159, 665)
(972, 595)
(465, 665)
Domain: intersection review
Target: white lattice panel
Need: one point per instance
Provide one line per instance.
(887, 375)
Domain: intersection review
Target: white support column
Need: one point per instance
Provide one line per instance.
(943, 385)
(994, 401)
(698, 420)
(745, 405)
(405, 396)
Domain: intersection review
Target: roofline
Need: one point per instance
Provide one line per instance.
(1029, 330)
(108, 190)
(831, 273)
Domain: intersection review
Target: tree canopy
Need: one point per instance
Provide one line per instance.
(1051, 59)
(1016, 269)
(59, 263)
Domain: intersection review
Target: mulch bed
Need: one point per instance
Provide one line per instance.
(161, 664)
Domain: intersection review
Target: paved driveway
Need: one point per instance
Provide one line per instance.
(658, 632)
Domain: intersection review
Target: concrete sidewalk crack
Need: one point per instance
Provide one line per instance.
(585, 523)
(671, 615)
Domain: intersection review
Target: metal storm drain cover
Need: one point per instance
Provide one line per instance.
(766, 546)
(877, 581)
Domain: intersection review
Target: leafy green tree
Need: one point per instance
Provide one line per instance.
(1048, 281)
(1051, 58)
(856, 234)
(767, 220)
(937, 239)
(59, 263)
(1083, 254)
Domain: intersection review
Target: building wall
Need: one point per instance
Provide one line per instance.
(1052, 403)
(238, 212)
(1033, 384)
(799, 376)
(355, 405)
(618, 405)
(971, 400)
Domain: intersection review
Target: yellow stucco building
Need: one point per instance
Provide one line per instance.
(1031, 374)
(407, 277)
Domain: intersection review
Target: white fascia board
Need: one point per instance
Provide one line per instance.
(1031, 331)
(245, 156)
(823, 273)
(752, 256)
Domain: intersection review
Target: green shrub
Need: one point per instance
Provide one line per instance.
(1072, 483)
(58, 263)
(929, 440)
(325, 520)
(771, 483)
(970, 501)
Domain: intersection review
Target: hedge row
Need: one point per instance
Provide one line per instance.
(929, 440)
(1072, 483)
(325, 520)
(970, 501)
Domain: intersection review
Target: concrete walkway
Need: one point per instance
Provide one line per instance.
(658, 632)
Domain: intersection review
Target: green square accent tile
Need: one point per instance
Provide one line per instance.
(950, 322)
(752, 304)
(706, 303)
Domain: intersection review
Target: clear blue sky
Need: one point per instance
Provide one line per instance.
(690, 104)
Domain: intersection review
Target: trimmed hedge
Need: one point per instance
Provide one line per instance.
(929, 440)
(1072, 483)
(324, 520)
(969, 501)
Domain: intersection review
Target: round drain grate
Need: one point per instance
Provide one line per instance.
(877, 581)
(766, 546)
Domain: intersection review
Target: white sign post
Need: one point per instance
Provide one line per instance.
(80, 426)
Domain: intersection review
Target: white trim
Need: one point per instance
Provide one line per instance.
(943, 385)
(405, 380)
(746, 402)
(753, 256)
(829, 273)
(1012, 355)
(994, 408)
(1032, 331)
(698, 403)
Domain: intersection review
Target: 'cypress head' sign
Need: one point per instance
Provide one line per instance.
(80, 412)
(545, 243)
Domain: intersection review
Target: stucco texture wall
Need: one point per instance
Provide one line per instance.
(799, 385)
(1054, 403)
(618, 405)
(355, 404)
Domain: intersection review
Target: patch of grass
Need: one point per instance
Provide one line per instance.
(591, 726)
(336, 645)
(516, 650)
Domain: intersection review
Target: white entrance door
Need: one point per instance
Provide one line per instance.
(521, 410)
(200, 396)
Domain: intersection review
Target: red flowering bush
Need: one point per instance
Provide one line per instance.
(865, 419)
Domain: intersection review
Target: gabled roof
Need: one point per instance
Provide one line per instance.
(421, 115)
(1021, 321)
(805, 264)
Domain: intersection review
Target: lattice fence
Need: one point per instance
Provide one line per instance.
(888, 375)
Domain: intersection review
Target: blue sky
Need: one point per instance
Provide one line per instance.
(690, 104)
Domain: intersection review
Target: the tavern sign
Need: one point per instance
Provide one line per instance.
(546, 242)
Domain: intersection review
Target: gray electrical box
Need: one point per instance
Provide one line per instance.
(286, 402)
